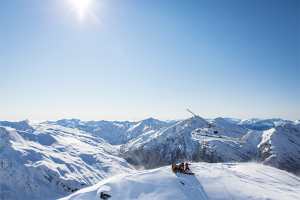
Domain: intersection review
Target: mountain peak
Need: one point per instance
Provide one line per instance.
(21, 125)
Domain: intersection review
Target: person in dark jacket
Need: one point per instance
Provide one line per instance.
(181, 167)
(186, 167)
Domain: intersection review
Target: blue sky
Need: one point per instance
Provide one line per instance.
(132, 59)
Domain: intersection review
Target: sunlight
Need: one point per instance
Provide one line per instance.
(81, 7)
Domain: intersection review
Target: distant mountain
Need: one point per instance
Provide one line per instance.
(144, 126)
(157, 148)
(114, 132)
(110, 131)
(22, 125)
(263, 124)
(192, 139)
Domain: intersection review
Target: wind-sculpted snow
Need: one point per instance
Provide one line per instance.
(246, 181)
(50, 161)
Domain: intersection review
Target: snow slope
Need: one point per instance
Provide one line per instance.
(247, 181)
(48, 161)
(280, 147)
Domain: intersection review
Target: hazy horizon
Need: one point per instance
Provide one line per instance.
(140, 119)
(130, 60)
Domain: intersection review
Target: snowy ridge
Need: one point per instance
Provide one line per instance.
(280, 147)
(263, 124)
(246, 181)
(114, 132)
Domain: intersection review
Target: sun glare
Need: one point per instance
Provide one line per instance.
(81, 7)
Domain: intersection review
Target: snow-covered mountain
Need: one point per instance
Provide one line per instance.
(111, 131)
(217, 140)
(52, 159)
(114, 132)
(192, 139)
(144, 126)
(280, 147)
(262, 124)
(229, 127)
(46, 161)
(246, 181)
(157, 148)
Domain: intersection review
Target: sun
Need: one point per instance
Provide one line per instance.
(81, 7)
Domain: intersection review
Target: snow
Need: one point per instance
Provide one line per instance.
(280, 147)
(230, 127)
(157, 148)
(262, 124)
(247, 181)
(192, 139)
(49, 160)
(114, 132)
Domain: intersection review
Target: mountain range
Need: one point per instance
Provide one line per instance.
(52, 159)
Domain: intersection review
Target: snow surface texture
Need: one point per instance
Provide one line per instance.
(53, 159)
(49, 161)
(245, 181)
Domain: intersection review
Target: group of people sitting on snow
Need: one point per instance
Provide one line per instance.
(181, 168)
